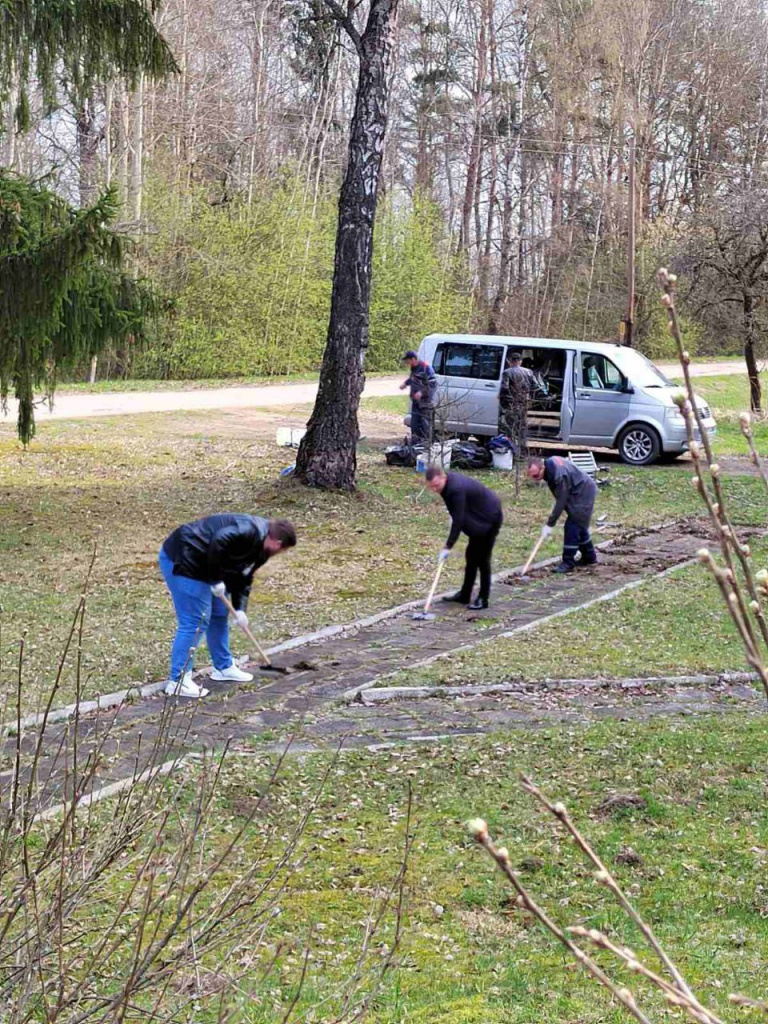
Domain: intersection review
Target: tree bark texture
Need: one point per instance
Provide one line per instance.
(327, 457)
(88, 139)
(753, 372)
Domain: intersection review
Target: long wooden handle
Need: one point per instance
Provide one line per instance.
(233, 612)
(532, 555)
(434, 587)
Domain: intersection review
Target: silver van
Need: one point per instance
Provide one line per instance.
(593, 395)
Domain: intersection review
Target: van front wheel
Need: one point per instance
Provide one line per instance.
(639, 445)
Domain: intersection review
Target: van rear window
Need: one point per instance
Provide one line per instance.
(479, 362)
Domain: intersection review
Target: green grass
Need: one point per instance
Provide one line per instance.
(395, 405)
(702, 837)
(123, 484)
(728, 396)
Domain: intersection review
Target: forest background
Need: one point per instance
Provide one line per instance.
(526, 137)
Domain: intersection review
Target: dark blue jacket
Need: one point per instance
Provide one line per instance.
(574, 491)
(423, 381)
(475, 509)
(226, 548)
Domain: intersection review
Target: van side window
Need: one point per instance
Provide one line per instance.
(479, 362)
(599, 373)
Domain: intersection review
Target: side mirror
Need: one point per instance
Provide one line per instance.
(627, 389)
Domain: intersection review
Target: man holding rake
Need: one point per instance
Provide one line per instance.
(475, 511)
(200, 563)
(575, 493)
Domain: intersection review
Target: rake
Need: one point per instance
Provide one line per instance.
(267, 665)
(531, 557)
(426, 615)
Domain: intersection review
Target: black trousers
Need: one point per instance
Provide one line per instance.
(422, 425)
(478, 559)
(577, 538)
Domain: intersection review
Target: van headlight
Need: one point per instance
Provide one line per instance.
(674, 414)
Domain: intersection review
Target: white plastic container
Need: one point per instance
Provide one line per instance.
(440, 454)
(422, 461)
(502, 460)
(289, 437)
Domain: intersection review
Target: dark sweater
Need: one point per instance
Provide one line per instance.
(422, 381)
(574, 491)
(475, 510)
(225, 548)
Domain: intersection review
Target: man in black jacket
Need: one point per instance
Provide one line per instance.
(476, 511)
(574, 492)
(201, 562)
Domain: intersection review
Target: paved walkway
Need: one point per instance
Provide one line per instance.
(315, 701)
(84, 405)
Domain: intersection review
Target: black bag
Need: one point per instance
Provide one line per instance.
(468, 455)
(401, 455)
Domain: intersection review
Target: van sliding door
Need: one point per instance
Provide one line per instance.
(469, 377)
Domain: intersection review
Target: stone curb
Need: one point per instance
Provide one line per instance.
(111, 789)
(385, 694)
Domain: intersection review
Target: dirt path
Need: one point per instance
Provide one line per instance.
(316, 702)
(267, 396)
(84, 405)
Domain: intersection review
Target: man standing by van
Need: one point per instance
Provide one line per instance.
(476, 511)
(574, 492)
(517, 385)
(422, 383)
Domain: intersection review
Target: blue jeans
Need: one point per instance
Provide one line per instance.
(196, 610)
(577, 538)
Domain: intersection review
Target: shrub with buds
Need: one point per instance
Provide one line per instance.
(478, 829)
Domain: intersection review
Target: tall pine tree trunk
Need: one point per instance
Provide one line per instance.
(327, 457)
(753, 372)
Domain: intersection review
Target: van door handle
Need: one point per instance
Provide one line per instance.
(489, 386)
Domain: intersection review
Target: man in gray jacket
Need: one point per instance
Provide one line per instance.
(574, 492)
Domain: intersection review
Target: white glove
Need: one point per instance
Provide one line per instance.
(444, 554)
(219, 590)
(546, 531)
(241, 619)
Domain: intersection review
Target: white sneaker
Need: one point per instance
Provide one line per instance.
(233, 674)
(184, 687)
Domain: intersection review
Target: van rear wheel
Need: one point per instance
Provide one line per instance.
(639, 445)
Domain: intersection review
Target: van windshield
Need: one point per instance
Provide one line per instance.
(640, 371)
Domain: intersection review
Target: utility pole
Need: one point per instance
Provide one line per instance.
(629, 321)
